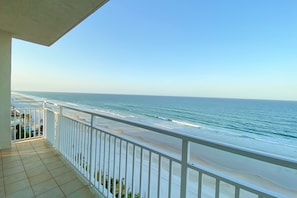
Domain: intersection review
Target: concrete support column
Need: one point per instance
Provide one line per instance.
(5, 89)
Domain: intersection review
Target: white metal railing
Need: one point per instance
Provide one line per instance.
(119, 165)
(27, 122)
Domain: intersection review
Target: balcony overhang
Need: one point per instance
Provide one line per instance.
(44, 22)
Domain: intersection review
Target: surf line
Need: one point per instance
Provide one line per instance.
(185, 124)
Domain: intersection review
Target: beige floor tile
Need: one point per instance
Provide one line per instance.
(50, 159)
(46, 153)
(54, 164)
(41, 146)
(39, 178)
(25, 150)
(11, 159)
(33, 164)
(36, 171)
(2, 187)
(27, 154)
(44, 186)
(31, 158)
(9, 153)
(12, 164)
(65, 178)
(1, 181)
(55, 192)
(26, 193)
(83, 192)
(13, 170)
(17, 186)
(23, 146)
(2, 192)
(60, 171)
(72, 186)
(15, 177)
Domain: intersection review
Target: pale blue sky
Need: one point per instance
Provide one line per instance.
(222, 48)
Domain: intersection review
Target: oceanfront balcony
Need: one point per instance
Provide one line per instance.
(120, 158)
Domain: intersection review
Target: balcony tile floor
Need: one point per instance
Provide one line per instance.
(34, 169)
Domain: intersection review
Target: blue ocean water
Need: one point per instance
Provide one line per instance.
(262, 120)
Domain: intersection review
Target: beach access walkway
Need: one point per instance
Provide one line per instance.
(34, 169)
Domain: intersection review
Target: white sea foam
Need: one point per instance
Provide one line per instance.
(186, 124)
(163, 126)
(110, 113)
(72, 104)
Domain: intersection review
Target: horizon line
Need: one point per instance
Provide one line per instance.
(157, 95)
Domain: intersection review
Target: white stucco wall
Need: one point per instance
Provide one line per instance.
(5, 89)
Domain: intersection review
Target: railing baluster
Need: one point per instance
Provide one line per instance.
(82, 147)
(217, 188)
(149, 173)
(159, 174)
(68, 137)
(104, 153)
(94, 159)
(170, 178)
(65, 145)
(91, 148)
(114, 166)
(140, 171)
(184, 170)
(86, 152)
(96, 152)
(86, 149)
(126, 168)
(133, 168)
(237, 191)
(120, 170)
(199, 184)
(72, 140)
(100, 160)
(14, 125)
(108, 161)
(77, 146)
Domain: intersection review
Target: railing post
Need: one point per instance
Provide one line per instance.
(59, 127)
(91, 145)
(44, 131)
(14, 123)
(184, 169)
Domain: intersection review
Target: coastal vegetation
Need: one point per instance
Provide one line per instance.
(115, 186)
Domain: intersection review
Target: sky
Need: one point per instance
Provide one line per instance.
(213, 48)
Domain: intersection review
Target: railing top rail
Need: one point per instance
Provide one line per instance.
(28, 101)
(250, 153)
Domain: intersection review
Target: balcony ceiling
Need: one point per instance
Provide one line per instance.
(44, 21)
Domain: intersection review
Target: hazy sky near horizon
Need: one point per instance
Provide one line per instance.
(213, 48)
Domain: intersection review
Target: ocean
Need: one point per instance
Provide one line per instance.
(265, 125)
